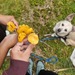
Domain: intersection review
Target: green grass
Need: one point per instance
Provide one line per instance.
(42, 15)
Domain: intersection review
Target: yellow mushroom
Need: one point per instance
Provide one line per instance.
(33, 38)
(21, 37)
(11, 27)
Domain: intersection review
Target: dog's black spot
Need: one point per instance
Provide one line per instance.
(66, 30)
(62, 24)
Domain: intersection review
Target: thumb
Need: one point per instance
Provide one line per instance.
(29, 49)
(15, 22)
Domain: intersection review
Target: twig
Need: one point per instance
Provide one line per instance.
(64, 69)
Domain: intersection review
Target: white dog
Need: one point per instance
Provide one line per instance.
(65, 30)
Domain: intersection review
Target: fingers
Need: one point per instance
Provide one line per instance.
(25, 42)
(19, 44)
(23, 48)
(20, 47)
(29, 49)
(14, 21)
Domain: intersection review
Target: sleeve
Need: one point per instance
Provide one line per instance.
(17, 67)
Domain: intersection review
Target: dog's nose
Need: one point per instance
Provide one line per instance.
(59, 30)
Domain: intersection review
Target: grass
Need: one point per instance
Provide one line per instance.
(42, 15)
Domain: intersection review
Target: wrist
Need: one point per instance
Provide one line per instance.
(27, 58)
(4, 44)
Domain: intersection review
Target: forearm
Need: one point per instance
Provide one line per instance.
(3, 51)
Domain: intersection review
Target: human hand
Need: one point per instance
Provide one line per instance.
(10, 40)
(4, 19)
(21, 51)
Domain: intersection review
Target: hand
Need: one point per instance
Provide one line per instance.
(22, 51)
(7, 43)
(10, 40)
(4, 19)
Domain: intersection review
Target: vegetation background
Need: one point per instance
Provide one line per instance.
(42, 15)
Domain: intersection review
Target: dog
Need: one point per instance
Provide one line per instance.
(66, 30)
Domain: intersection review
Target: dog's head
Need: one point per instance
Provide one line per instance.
(63, 28)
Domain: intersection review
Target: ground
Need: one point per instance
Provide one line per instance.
(42, 15)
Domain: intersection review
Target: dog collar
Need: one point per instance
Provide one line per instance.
(65, 37)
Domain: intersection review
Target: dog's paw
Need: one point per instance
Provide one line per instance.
(63, 41)
(54, 35)
(46, 35)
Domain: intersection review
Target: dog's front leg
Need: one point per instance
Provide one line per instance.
(63, 41)
(70, 42)
(52, 35)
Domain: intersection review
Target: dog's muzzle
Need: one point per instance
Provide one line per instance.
(59, 30)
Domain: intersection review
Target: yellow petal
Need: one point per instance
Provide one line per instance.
(30, 30)
(33, 38)
(21, 37)
(22, 28)
(11, 26)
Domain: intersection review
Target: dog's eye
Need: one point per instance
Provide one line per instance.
(65, 29)
(62, 24)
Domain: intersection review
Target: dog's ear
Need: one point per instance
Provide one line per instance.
(70, 17)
